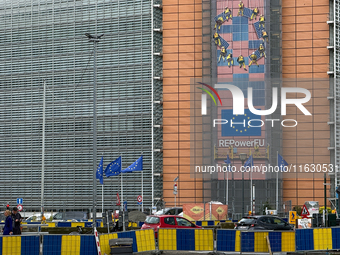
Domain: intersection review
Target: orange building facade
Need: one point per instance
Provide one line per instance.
(303, 56)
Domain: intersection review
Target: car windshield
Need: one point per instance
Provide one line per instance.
(152, 220)
(246, 221)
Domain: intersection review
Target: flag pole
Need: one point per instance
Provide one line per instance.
(277, 184)
(103, 198)
(142, 193)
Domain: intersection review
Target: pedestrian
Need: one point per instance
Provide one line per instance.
(16, 216)
(8, 229)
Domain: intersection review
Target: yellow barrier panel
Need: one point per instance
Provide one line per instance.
(260, 242)
(145, 240)
(50, 224)
(75, 224)
(70, 245)
(216, 222)
(11, 245)
(104, 242)
(287, 241)
(204, 223)
(132, 224)
(238, 240)
(322, 239)
(204, 240)
(167, 239)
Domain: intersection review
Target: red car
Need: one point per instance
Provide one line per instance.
(167, 221)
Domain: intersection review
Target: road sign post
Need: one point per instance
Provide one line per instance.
(20, 207)
(304, 212)
(139, 200)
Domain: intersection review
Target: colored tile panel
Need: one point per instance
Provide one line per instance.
(260, 242)
(226, 240)
(204, 240)
(129, 234)
(11, 245)
(88, 245)
(104, 242)
(275, 239)
(70, 245)
(322, 239)
(288, 241)
(52, 245)
(167, 239)
(30, 245)
(145, 240)
(186, 239)
(247, 241)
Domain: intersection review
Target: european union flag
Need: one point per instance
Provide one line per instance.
(249, 161)
(99, 173)
(281, 162)
(238, 124)
(228, 162)
(114, 168)
(136, 166)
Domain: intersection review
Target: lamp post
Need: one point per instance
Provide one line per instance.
(243, 157)
(95, 40)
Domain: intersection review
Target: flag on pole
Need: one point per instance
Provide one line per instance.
(281, 162)
(136, 166)
(114, 168)
(228, 162)
(249, 161)
(99, 173)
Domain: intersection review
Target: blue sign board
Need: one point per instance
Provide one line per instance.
(19, 201)
(125, 206)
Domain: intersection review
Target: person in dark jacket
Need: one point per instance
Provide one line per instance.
(8, 229)
(16, 221)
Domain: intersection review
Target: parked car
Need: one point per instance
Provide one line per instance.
(262, 222)
(36, 217)
(70, 215)
(167, 221)
(170, 211)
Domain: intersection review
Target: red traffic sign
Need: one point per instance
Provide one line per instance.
(20, 208)
(304, 212)
(139, 199)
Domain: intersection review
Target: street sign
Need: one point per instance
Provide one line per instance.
(139, 199)
(304, 212)
(175, 189)
(292, 217)
(20, 208)
(19, 201)
(125, 206)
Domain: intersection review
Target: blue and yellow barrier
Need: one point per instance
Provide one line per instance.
(143, 240)
(69, 244)
(20, 245)
(233, 240)
(317, 239)
(186, 239)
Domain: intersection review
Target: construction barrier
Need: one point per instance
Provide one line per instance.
(317, 239)
(186, 239)
(143, 240)
(69, 244)
(20, 245)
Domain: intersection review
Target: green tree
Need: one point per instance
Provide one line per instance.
(298, 209)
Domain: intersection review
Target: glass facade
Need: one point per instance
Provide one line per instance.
(45, 40)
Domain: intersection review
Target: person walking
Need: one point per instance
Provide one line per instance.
(8, 229)
(16, 221)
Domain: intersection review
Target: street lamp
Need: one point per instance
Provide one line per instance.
(95, 40)
(243, 157)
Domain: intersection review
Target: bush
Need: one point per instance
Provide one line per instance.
(329, 210)
(298, 209)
